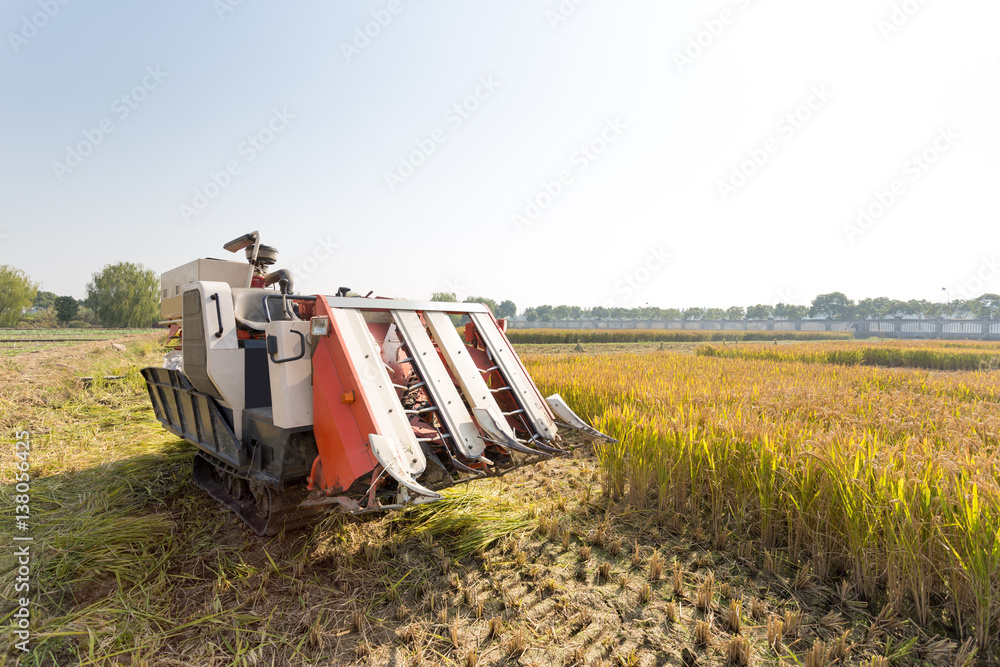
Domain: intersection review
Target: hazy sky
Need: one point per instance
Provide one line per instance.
(585, 152)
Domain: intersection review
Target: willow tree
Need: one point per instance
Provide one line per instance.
(125, 295)
(17, 292)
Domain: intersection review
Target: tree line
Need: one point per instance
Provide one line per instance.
(126, 295)
(122, 295)
(835, 305)
(503, 310)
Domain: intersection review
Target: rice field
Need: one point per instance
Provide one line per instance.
(936, 355)
(602, 336)
(885, 481)
(756, 512)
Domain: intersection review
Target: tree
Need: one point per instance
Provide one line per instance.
(43, 300)
(961, 309)
(933, 310)
(489, 303)
(506, 309)
(882, 307)
(531, 314)
(671, 314)
(834, 305)
(735, 313)
(560, 313)
(693, 314)
(87, 316)
(125, 295)
(897, 309)
(715, 314)
(17, 293)
(544, 313)
(446, 297)
(760, 312)
(66, 308)
(797, 312)
(919, 307)
(789, 312)
(987, 306)
(866, 309)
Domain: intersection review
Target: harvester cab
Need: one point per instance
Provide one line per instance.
(299, 402)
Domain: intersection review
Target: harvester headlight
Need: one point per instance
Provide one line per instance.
(320, 326)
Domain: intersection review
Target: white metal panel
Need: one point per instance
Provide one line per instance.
(291, 381)
(469, 377)
(390, 419)
(439, 385)
(225, 364)
(172, 282)
(214, 317)
(511, 369)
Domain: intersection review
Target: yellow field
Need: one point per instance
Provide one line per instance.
(931, 355)
(884, 479)
(556, 336)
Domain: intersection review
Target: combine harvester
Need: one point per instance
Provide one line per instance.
(365, 404)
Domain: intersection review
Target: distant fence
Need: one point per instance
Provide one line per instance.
(937, 328)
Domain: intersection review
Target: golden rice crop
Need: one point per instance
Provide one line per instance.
(571, 336)
(886, 477)
(907, 354)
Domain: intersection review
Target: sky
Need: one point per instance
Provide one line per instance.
(585, 152)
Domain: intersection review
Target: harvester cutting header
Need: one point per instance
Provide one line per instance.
(366, 404)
